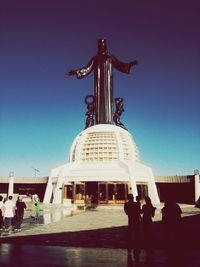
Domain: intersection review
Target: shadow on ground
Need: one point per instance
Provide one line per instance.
(111, 237)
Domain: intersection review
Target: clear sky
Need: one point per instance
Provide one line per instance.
(42, 110)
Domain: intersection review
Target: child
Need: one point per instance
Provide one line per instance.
(37, 209)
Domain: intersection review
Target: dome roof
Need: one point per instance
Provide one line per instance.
(103, 143)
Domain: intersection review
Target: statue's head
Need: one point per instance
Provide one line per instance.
(102, 47)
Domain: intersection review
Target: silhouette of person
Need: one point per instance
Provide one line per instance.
(172, 225)
(138, 201)
(102, 65)
(148, 211)
(132, 210)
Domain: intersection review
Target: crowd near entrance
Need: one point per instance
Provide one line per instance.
(86, 193)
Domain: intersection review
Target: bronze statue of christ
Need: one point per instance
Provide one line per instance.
(102, 65)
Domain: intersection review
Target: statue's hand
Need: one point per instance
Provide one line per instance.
(71, 72)
(132, 63)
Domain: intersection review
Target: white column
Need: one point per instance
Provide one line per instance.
(153, 192)
(197, 186)
(133, 186)
(11, 184)
(132, 180)
(48, 191)
(57, 199)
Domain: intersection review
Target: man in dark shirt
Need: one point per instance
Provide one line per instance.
(21, 206)
(132, 209)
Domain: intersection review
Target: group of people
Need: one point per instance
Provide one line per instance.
(12, 213)
(140, 224)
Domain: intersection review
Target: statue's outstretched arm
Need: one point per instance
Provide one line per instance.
(71, 72)
(123, 67)
(81, 73)
(133, 63)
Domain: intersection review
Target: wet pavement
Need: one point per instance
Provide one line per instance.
(68, 237)
(58, 219)
(29, 256)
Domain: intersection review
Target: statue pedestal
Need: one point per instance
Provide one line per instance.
(102, 153)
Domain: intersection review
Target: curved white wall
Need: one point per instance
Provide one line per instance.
(103, 143)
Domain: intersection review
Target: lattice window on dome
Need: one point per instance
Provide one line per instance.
(126, 155)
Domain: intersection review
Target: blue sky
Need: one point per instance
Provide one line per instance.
(42, 110)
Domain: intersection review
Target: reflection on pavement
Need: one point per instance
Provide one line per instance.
(14, 255)
(23, 256)
(59, 213)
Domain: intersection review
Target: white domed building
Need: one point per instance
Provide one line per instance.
(104, 166)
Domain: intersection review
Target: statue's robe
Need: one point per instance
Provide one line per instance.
(102, 65)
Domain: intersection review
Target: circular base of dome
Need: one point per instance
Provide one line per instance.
(103, 143)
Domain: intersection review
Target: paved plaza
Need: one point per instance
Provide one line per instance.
(95, 237)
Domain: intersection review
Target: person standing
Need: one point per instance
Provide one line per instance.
(148, 211)
(1, 213)
(133, 211)
(172, 222)
(21, 206)
(37, 209)
(138, 201)
(9, 212)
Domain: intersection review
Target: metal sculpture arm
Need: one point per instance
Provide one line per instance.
(123, 67)
(81, 73)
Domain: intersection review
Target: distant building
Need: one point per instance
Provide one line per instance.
(25, 186)
(180, 187)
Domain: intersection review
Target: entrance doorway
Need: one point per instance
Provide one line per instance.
(68, 192)
(121, 192)
(91, 192)
(79, 193)
(94, 193)
(112, 192)
(103, 193)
